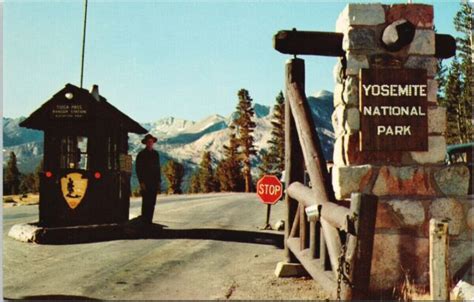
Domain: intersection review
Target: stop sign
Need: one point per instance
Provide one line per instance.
(269, 189)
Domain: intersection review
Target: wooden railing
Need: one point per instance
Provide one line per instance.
(332, 240)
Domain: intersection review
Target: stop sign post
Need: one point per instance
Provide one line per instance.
(269, 190)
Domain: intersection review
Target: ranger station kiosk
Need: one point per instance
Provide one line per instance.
(87, 169)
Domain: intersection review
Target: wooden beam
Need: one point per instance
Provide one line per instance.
(335, 214)
(313, 240)
(439, 270)
(323, 251)
(314, 268)
(294, 163)
(309, 140)
(359, 247)
(304, 230)
(330, 44)
(296, 224)
(309, 43)
(333, 244)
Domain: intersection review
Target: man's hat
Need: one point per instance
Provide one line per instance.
(147, 137)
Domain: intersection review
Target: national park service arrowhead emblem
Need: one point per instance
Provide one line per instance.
(74, 187)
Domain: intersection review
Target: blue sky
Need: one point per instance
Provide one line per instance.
(154, 59)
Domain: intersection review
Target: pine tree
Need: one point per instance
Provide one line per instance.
(463, 22)
(195, 185)
(266, 166)
(452, 102)
(277, 141)
(27, 184)
(174, 173)
(12, 176)
(458, 90)
(229, 170)
(206, 174)
(245, 127)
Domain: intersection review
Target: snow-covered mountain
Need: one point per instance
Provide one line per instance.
(179, 139)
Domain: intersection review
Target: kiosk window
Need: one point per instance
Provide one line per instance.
(112, 153)
(74, 152)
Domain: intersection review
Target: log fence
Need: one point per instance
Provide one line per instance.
(332, 239)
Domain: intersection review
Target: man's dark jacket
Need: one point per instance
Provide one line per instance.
(148, 168)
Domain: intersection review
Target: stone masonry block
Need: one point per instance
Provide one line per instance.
(436, 120)
(355, 63)
(338, 154)
(351, 91)
(359, 39)
(451, 210)
(394, 256)
(470, 218)
(346, 180)
(352, 120)
(420, 15)
(337, 72)
(410, 212)
(453, 180)
(436, 151)
(423, 43)
(360, 14)
(432, 91)
(428, 63)
(386, 217)
(338, 121)
(337, 96)
(403, 181)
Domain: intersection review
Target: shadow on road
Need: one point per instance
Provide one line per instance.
(214, 234)
(52, 298)
(136, 231)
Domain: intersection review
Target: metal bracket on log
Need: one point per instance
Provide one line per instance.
(317, 43)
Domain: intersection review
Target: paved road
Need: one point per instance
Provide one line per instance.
(216, 252)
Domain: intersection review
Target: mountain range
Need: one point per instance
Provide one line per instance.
(180, 139)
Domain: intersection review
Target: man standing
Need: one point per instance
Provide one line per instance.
(148, 173)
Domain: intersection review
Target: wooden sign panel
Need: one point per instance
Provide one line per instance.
(393, 110)
(68, 111)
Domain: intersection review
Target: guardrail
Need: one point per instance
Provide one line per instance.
(333, 240)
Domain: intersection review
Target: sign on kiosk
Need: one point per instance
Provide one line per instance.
(269, 189)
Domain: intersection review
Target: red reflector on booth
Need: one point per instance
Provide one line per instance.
(48, 174)
(97, 175)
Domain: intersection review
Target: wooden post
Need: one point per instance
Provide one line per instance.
(296, 224)
(333, 244)
(304, 230)
(313, 240)
(309, 140)
(439, 272)
(323, 251)
(294, 164)
(360, 246)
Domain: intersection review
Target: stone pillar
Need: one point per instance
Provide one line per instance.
(413, 186)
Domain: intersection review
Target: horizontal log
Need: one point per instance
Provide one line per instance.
(333, 213)
(309, 43)
(330, 44)
(445, 46)
(314, 267)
